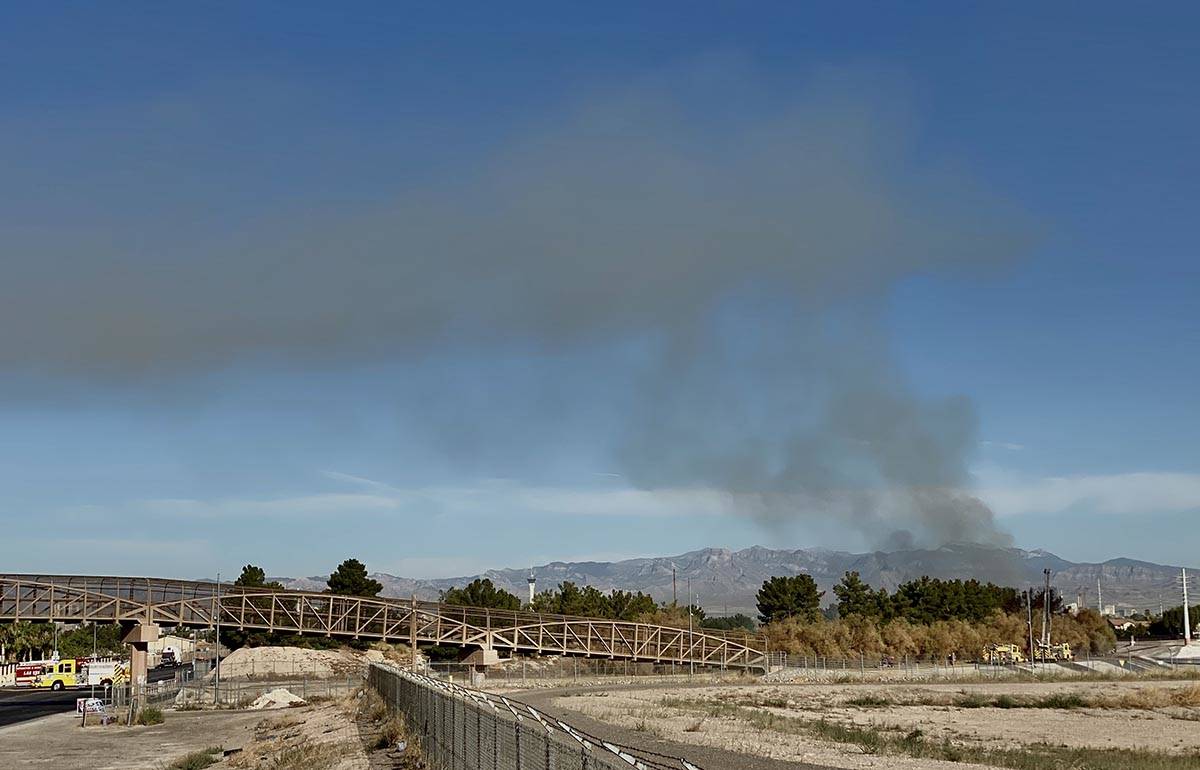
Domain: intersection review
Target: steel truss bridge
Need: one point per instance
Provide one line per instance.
(197, 604)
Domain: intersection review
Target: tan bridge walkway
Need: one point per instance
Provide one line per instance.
(131, 600)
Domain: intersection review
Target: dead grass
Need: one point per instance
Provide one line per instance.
(913, 743)
(198, 760)
(151, 715)
(1144, 699)
(309, 756)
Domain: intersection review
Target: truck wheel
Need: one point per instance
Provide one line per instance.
(56, 686)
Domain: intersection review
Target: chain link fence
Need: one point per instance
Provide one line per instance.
(464, 729)
(521, 672)
(238, 693)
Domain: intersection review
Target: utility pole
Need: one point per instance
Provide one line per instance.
(691, 635)
(217, 646)
(1187, 620)
(412, 630)
(1099, 598)
(94, 656)
(674, 595)
(1029, 620)
(1046, 609)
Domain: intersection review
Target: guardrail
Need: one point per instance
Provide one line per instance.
(463, 729)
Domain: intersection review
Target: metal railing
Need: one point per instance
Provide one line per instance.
(196, 604)
(463, 729)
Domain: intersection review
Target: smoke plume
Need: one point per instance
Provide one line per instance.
(751, 236)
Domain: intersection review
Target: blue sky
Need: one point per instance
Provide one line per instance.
(262, 302)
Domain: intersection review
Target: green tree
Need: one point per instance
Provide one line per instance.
(350, 579)
(1170, 623)
(590, 602)
(255, 577)
(789, 597)
(587, 602)
(77, 643)
(738, 622)
(855, 597)
(481, 593)
(623, 605)
(547, 601)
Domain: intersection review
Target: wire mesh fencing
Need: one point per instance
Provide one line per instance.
(541, 671)
(464, 729)
(238, 693)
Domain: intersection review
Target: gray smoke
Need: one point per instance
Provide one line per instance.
(653, 212)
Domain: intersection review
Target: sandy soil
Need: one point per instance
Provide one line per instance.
(59, 743)
(252, 662)
(327, 733)
(1164, 729)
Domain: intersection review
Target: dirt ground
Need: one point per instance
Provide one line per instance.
(259, 662)
(686, 716)
(59, 743)
(327, 730)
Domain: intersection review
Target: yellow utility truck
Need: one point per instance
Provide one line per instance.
(1048, 652)
(1003, 654)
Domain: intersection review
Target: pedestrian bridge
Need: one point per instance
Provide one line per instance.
(199, 604)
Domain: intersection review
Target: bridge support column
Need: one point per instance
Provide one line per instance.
(139, 638)
(480, 660)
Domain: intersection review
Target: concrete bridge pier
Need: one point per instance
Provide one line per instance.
(139, 637)
(480, 660)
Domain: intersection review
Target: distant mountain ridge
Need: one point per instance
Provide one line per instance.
(726, 581)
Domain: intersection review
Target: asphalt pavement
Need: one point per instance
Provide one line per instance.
(20, 704)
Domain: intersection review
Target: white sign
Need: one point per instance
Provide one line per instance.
(91, 705)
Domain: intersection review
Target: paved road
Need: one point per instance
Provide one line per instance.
(23, 704)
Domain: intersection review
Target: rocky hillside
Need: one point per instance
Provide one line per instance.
(726, 581)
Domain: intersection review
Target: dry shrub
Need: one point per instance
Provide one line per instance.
(1147, 698)
(1186, 696)
(391, 732)
(854, 636)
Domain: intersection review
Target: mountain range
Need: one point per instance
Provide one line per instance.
(726, 581)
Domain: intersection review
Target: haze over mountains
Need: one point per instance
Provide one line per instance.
(726, 581)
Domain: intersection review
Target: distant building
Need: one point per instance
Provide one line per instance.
(1121, 624)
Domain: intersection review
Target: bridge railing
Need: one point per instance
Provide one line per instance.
(193, 603)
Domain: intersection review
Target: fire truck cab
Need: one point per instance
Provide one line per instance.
(58, 675)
